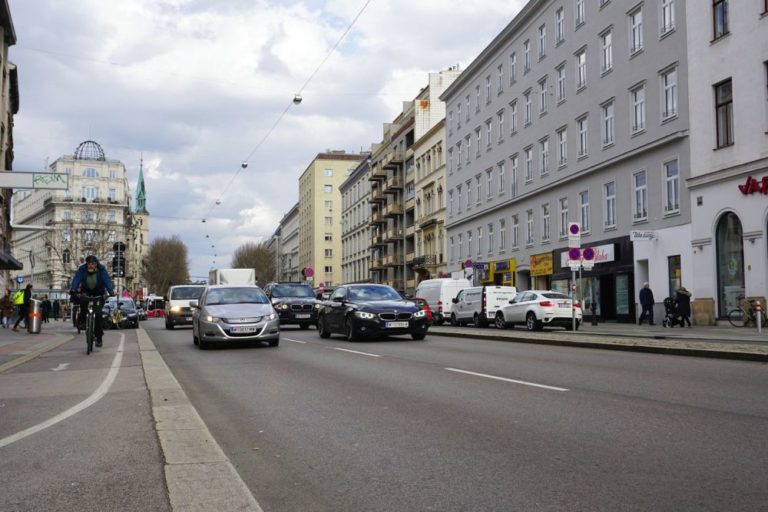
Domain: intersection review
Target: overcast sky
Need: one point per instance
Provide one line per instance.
(196, 86)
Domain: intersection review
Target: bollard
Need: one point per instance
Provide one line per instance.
(35, 316)
(759, 316)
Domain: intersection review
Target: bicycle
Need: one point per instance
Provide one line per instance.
(741, 317)
(90, 321)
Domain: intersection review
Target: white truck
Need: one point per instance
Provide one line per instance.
(232, 276)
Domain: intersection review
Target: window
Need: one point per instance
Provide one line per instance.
(468, 192)
(581, 69)
(112, 194)
(563, 217)
(637, 102)
(544, 156)
(469, 243)
(560, 25)
(329, 253)
(513, 177)
(543, 96)
(608, 118)
(529, 228)
(468, 106)
(500, 123)
(489, 183)
(488, 133)
(328, 204)
(66, 235)
(635, 31)
(724, 113)
(477, 98)
(562, 147)
(90, 172)
(606, 51)
(580, 13)
(468, 141)
(667, 16)
(542, 41)
(328, 269)
(327, 189)
(512, 68)
(478, 189)
(583, 136)
(502, 235)
(526, 56)
(501, 166)
(90, 235)
(67, 215)
(528, 164)
(328, 172)
(328, 237)
(91, 192)
(458, 114)
(545, 226)
(609, 190)
(513, 117)
(113, 174)
(488, 89)
(640, 208)
(584, 211)
(720, 18)
(500, 74)
(669, 88)
(461, 241)
(671, 187)
(111, 216)
(450, 248)
(328, 221)
(450, 203)
(490, 237)
(515, 232)
(561, 90)
(527, 97)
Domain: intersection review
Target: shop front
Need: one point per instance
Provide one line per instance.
(542, 266)
(606, 290)
(500, 272)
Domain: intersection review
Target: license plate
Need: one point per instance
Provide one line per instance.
(188, 318)
(564, 305)
(396, 325)
(302, 315)
(244, 329)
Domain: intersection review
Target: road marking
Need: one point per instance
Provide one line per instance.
(356, 352)
(295, 341)
(62, 366)
(553, 388)
(97, 395)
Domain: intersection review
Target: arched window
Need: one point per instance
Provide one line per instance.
(730, 263)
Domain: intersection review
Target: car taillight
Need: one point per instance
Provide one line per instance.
(439, 306)
(546, 304)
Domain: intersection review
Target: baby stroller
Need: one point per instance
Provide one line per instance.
(671, 318)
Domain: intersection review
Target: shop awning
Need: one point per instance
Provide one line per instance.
(8, 262)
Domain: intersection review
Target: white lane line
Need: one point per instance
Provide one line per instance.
(356, 352)
(295, 341)
(97, 395)
(524, 383)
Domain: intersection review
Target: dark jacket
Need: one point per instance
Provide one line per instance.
(646, 297)
(104, 282)
(683, 299)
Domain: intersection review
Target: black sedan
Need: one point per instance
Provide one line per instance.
(128, 316)
(369, 310)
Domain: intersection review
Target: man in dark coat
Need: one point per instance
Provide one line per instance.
(24, 310)
(683, 300)
(646, 302)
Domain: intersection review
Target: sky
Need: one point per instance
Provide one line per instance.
(197, 87)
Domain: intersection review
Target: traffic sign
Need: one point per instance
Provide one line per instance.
(19, 279)
(574, 234)
(574, 258)
(468, 264)
(588, 258)
(308, 272)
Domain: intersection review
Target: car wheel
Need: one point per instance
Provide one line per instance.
(500, 323)
(322, 329)
(195, 339)
(454, 322)
(418, 336)
(531, 323)
(304, 326)
(168, 323)
(349, 329)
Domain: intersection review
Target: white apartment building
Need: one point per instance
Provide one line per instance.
(355, 226)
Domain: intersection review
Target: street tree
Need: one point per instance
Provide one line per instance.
(166, 264)
(257, 256)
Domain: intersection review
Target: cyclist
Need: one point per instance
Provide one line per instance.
(91, 279)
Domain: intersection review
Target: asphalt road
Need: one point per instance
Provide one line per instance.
(478, 425)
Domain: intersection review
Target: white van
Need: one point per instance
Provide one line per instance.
(478, 304)
(439, 294)
(177, 310)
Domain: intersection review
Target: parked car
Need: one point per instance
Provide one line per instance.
(295, 303)
(226, 314)
(177, 309)
(439, 294)
(128, 316)
(538, 308)
(423, 304)
(368, 310)
(478, 304)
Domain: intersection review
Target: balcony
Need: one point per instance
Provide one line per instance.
(393, 210)
(393, 184)
(377, 196)
(393, 235)
(409, 257)
(377, 218)
(426, 261)
(377, 240)
(393, 160)
(377, 264)
(377, 174)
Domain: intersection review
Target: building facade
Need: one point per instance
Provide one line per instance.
(575, 112)
(728, 63)
(89, 217)
(320, 216)
(356, 230)
(285, 243)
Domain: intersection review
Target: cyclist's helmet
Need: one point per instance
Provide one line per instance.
(91, 259)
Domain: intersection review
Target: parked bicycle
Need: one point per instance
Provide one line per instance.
(744, 317)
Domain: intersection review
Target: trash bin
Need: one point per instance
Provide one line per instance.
(35, 316)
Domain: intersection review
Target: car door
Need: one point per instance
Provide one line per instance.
(457, 309)
(335, 308)
(517, 308)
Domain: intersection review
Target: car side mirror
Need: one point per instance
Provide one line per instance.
(338, 299)
(455, 300)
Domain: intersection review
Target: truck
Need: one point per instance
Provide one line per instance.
(232, 276)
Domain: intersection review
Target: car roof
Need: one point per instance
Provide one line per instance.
(220, 286)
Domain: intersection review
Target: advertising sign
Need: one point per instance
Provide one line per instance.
(542, 264)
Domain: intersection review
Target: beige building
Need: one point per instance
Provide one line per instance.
(320, 215)
(285, 243)
(356, 228)
(89, 217)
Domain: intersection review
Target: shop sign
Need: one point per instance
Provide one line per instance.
(542, 264)
(505, 265)
(603, 254)
(752, 186)
(642, 236)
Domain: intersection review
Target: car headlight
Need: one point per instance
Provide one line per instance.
(318, 305)
(365, 315)
(175, 309)
(271, 316)
(420, 313)
(282, 307)
(212, 319)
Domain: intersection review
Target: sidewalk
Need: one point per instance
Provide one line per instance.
(18, 347)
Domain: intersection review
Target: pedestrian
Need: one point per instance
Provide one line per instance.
(6, 309)
(683, 300)
(646, 302)
(56, 309)
(24, 309)
(46, 308)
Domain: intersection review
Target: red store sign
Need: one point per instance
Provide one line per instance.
(752, 186)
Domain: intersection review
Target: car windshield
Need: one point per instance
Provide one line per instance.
(124, 304)
(292, 290)
(234, 295)
(372, 293)
(187, 292)
(554, 295)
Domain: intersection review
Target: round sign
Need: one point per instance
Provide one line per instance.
(468, 264)
(574, 253)
(574, 228)
(19, 279)
(308, 272)
(588, 253)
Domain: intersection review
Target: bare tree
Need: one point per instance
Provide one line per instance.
(166, 264)
(257, 256)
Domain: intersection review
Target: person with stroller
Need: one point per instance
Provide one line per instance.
(683, 303)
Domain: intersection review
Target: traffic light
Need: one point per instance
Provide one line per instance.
(118, 266)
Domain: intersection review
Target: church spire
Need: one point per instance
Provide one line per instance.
(141, 191)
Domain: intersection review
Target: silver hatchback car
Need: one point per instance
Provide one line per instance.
(234, 313)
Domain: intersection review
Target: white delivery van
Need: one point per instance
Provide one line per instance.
(439, 294)
(478, 304)
(232, 276)
(177, 309)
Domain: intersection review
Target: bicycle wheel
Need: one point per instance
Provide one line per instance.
(737, 317)
(90, 332)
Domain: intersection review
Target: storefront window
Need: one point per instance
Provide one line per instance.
(622, 294)
(730, 263)
(675, 274)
